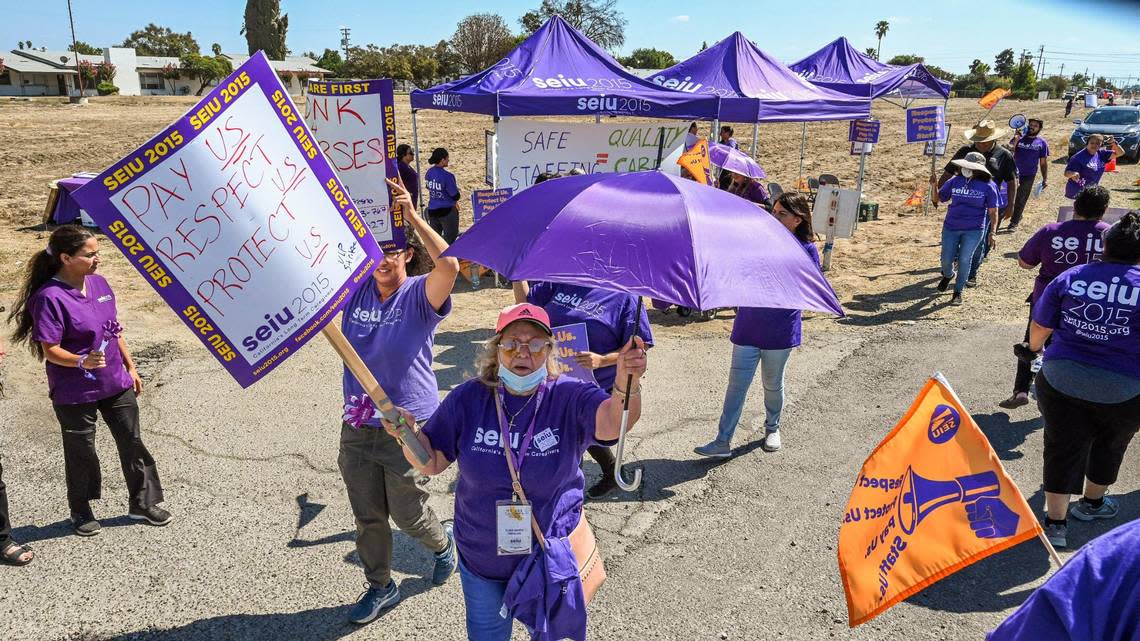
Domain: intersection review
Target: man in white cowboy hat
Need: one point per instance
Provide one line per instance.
(1002, 169)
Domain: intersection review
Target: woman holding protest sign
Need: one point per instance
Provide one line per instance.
(443, 196)
(610, 318)
(972, 210)
(391, 323)
(518, 432)
(66, 314)
(1088, 389)
(764, 337)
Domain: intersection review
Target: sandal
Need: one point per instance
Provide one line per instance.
(13, 551)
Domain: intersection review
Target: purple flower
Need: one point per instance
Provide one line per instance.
(357, 410)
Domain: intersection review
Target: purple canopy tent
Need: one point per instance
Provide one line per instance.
(558, 71)
(755, 87)
(841, 67)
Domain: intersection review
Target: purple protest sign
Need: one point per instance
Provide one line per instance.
(866, 131)
(572, 339)
(483, 201)
(355, 125)
(925, 123)
(237, 220)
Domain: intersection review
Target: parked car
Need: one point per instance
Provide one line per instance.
(1121, 122)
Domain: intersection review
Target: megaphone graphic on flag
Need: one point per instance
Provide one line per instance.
(921, 496)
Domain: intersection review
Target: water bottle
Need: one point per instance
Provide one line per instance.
(474, 276)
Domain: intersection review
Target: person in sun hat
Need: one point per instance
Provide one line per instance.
(970, 220)
(1001, 167)
(517, 431)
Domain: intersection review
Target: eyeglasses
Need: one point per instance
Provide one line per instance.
(394, 253)
(511, 347)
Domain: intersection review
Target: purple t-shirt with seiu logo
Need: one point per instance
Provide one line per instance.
(63, 316)
(1089, 166)
(608, 315)
(1027, 155)
(1094, 311)
(769, 327)
(969, 201)
(394, 339)
(1060, 246)
(466, 429)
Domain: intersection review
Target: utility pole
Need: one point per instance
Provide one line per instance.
(1040, 59)
(344, 31)
(1062, 70)
(75, 48)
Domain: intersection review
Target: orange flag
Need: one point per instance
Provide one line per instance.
(916, 198)
(931, 499)
(990, 100)
(696, 161)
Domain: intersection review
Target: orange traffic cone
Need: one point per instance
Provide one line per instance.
(1111, 166)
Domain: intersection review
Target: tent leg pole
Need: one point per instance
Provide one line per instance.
(416, 145)
(495, 179)
(859, 182)
(755, 139)
(803, 142)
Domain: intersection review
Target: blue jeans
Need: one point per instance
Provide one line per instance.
(981, 252)
(483, 600)
(960, 244)
(744, 362)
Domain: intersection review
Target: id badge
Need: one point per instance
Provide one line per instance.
(513, 527)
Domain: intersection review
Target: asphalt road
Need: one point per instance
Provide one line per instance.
(741, 549)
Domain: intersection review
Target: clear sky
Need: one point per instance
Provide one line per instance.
(1097, 34)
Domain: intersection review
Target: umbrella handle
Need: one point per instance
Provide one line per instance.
(628, 486)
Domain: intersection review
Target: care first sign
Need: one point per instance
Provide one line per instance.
(235, 217)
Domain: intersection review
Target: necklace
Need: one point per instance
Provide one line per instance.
(521, 409)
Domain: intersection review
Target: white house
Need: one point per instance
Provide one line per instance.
(40, 72)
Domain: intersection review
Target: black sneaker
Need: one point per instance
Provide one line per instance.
(944, 283)
(603, 487)
(973, 282)
(956, 299)
(153, 515)
(85, 524)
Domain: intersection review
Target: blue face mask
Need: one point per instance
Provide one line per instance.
(521, 384)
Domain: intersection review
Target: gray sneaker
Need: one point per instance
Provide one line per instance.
(1082, 510)
(1057, 534)
(714, 449)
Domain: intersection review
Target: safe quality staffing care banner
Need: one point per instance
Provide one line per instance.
(235, 217)
(355, 125)
(931, 499)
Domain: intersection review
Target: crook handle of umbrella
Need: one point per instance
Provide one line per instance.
(628, 486)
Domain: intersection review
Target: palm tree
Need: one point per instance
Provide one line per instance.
(881, 29)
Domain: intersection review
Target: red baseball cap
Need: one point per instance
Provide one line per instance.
(524, 311)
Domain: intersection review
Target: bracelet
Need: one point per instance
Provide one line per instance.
(625, 394)
(79, 363)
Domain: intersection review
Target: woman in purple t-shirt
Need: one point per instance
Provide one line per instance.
(390, 322)
(1088, 389)
(517, 406)
(66, 314)
(1086, 167)
(764, 337)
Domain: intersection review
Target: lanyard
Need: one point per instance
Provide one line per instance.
(505, 430)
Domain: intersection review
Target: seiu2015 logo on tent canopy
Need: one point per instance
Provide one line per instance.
(686, 84)
(562, 82)
(604, 104)
(944, 423)
(447, 100)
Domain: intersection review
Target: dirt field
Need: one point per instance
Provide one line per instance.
(882, 275)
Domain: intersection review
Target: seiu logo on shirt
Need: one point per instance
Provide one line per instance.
(435, 185)
(966, 192)
(1093, 163)
(577, 302)
(1102, 310)
(373, 318)
(491, 438)
(104, 298)
(1111, 292)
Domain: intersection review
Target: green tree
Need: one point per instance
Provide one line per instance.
(216, 49)
(598, 19)
(264, 28)
(1058, 85)
(205, 69)
(153, 40)
(881, 29)
(648, 59)
(85, 49)
(449, 65)
(171, 73)
(1023, 81)
(871, 53)
(416, 63)
(330, 61)
(939, 72)
(905, 59)
(1003, 63)
(480, 40)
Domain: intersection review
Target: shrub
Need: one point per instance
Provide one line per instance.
(106, 89)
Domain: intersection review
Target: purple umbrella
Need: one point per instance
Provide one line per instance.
(649, 234)
(732, 159)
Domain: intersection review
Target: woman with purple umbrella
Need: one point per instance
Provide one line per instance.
(66, 314)
(749, 189)
(518, 431)
(764, 337)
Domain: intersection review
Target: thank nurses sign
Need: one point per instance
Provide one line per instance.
(238, 221)
(528, 148)
(355, 125)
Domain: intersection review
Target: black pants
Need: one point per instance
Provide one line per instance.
(445, 222)
(81, 463)
(5, 522)
(1024, 189)
(1083, 439)
(1024, 377)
